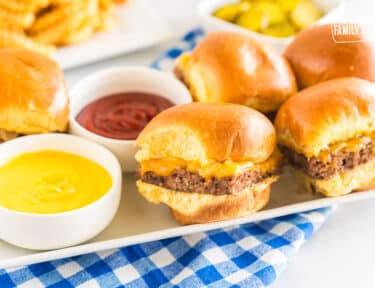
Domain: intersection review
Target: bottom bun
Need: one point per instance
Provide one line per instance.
(191, 208)
(358, 179)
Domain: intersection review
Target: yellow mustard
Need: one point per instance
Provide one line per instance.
(51, 182)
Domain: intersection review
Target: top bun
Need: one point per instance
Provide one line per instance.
(33, 95)
(206, 132)
(228, 67)
(329, 112)
(315, 56)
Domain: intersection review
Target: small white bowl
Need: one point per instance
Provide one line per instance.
(122, 79)
(333, 10)
(58, 230)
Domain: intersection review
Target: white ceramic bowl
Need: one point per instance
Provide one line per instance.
(58, 230)
(333, 10)
(122, 79)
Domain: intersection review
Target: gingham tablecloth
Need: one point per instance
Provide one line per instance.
(250, 255)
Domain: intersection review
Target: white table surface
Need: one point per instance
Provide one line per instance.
(342, 253)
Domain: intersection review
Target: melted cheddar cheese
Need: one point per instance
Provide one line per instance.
(165, 167)
(352, 145)
(6, 135)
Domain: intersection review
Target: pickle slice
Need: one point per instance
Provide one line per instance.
(252, 20)
(284, 29)
(273, 13)
(287, 5)
(260, 16)
(230, 11)
(305, 14)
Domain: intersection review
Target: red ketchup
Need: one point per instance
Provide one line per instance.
(122, 115)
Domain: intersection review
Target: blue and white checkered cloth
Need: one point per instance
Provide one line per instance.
(249, 255)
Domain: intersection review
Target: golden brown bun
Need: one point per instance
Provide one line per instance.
(358, 179)
(206, 132)
(328, 112)
(315, 57)
(228, 67)
(190, 208)
(33, 95)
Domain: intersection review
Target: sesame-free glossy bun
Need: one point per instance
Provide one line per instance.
(361, 178)
(191, 208)
(206, 132)
(228, 67)
(326, 113)
(315, 56)
(33, 95)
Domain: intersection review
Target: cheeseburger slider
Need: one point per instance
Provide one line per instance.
(207, 161)
(321, 53)
(327, 132)
(33, 95)
(234, 68)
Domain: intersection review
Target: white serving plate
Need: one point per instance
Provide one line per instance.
(333, 9)
(137, 26)
(138, 221)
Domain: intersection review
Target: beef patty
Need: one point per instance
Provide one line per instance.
(186, 181)
(338, 162)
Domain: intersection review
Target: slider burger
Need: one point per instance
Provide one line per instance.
(33, 95)
(327, 133)
(228, 67)
(321, 53)
(207, 161)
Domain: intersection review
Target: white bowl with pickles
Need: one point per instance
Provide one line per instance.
(273, 22)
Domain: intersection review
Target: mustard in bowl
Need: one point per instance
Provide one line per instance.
(56, 190)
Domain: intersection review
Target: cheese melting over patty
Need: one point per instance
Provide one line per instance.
(165, 167)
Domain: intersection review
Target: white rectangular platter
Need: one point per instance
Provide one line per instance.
(136, 27)
(138, 221)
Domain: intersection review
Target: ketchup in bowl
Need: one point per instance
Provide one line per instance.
(123, 115)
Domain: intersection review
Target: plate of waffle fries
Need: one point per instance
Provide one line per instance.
(76, 32)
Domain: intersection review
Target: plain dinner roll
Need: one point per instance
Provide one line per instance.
(228, 67)
(315, 56)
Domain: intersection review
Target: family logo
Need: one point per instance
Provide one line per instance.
(349, 33)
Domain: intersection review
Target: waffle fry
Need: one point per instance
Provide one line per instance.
(15, 6)
(42, 24)
(92, 7)
(8, 26)
(23, 5)
(15, 40)
(105, 19)
(19, 20)
(59, 25)
(82, 32)
(105, 4)
(57, 32)
(60, 2)
(53, 18)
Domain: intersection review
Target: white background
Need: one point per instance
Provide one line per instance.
(342, 253)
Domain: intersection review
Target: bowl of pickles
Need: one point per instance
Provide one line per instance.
(272, 21)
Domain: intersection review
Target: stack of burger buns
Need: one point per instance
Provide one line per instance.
(327, 133)
(215, 160)
(327, 130)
